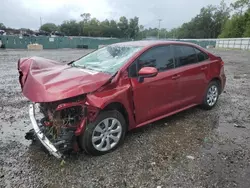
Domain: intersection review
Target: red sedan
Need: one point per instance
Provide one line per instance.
(90, 103)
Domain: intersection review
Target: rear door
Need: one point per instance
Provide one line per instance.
(193, 68)
(154, 96)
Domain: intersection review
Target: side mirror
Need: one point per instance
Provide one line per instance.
(147, 72)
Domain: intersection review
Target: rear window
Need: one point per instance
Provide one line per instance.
(184, 55)
(201, 55)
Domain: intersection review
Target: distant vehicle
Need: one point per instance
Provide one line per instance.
(26, 35)
(93, 101)
(56, 34)
(2, 32)
(42, 33)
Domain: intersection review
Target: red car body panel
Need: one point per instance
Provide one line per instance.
(46, 81)
(165, 94)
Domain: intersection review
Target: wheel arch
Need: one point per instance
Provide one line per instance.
(120, 108)
(217, 79)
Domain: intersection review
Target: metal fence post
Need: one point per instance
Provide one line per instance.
(248, 44)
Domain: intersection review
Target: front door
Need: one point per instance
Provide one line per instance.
(158, 95)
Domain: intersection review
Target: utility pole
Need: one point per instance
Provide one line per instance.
(159, 27)
(41, 23)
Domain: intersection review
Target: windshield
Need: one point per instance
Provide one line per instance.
(108, 59)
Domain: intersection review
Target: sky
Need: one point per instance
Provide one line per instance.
(27, 13)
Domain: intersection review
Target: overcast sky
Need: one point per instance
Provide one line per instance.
(27, 13)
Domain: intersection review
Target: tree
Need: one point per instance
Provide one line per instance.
(105, 28)
(82, 24)
(114, 30)
(207, 24)
(133, 28)
(239, 23)
(86, 17)
(247, 30)
(222, 14)
(124, 27)
(49, 27)
(93, 28)
(240, 5)
(2, 26)
(70, 28)
(234, 27)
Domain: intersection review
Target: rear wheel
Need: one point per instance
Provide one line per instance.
(211, 96)
(105, 134)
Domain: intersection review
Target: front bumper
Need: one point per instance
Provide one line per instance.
(43, 139)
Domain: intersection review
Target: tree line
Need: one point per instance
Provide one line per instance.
(212, 22)
(124, 28)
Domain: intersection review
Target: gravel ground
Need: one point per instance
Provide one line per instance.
(194, 148)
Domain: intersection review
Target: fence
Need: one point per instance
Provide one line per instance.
(233, 43)
(236, 43)
(16, 42)
(201, 42)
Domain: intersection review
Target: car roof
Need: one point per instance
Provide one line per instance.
(148, 43)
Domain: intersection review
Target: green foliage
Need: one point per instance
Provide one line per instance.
(94, 28)
(247, 30)
(70, 28)
(211, 22)
(240, 5)
(2, 26)
(239, 24)
(133, 29)
(234, 27)
(49, 27)
(123, 26)
(207, 24)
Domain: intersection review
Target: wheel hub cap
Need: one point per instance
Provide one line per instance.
(212, 95)
(107, 134)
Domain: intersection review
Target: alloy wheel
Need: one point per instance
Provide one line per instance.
(212, 95)
(107, 134)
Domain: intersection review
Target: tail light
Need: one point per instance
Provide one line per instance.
(221, 61)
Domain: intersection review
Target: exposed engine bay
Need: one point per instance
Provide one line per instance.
(61, 122)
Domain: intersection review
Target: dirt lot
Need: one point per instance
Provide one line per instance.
(194, 148)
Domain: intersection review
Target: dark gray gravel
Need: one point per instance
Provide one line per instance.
(194, 148)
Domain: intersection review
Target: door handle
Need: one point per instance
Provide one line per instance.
(203, 68)
(175, 77)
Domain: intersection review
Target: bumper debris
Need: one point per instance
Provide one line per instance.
(41, 136)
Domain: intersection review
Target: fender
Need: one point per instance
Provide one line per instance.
(121, 95)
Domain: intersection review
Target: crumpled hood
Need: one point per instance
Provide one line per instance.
(44, 80)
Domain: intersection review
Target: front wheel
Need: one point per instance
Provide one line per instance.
(212, 95)
(105, 134)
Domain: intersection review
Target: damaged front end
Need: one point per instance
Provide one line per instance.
(59, 93)
(57, 124)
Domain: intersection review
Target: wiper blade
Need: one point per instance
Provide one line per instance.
(71, 62)
(74, 65)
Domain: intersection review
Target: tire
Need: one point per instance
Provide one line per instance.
(212, 95)
(98, 133)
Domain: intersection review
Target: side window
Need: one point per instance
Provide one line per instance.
(201, 55)
(184, 55)
(158, 57)
(132, 70)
